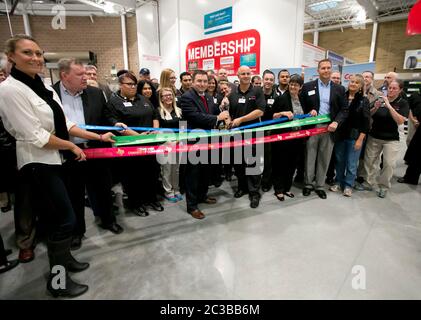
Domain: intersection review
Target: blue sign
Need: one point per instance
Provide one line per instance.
(248, 60)
(347, 71)
(218, 21)
(310, 74)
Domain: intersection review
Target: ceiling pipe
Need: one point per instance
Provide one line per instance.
(14, 7)
(396, 17)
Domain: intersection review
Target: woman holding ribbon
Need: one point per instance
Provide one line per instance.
(127, 109)
(350, 136)
(170, 116)
(33, 115)
(285, 154)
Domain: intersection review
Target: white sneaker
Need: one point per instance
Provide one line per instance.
(348, 192)
(334, 188)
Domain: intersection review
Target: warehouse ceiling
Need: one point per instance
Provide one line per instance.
(318, 13)
(322, 13)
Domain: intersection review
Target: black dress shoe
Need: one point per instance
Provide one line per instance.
(306, 192)
(254, 202)
(217, 184)
(114, 228)
(156, 206)
(75, 266)
(76, 243)
(266, 188)
(239, 193)
(7, 208)
(141, 211)
(9, 265)
(321, 194)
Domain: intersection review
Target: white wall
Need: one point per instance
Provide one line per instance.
(279, 22)
(148, 38)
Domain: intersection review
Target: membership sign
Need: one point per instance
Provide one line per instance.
(228, 51)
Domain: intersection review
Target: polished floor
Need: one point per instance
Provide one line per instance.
(302, 248)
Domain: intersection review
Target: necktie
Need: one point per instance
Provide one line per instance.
(205, 103)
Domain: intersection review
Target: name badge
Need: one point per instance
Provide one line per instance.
(242, 100)
(127, 104)
(215, 100)
(312, 92)
(271, 101)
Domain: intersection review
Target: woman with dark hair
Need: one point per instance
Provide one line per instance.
(147, 89)
(388, 114)
(350, 136)
(285, 154)
(126, 109)
(33, 115)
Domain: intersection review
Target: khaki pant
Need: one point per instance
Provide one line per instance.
(317, 157)
(375, 147)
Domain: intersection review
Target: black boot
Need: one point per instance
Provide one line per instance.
(59, 255)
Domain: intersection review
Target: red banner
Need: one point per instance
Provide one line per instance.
(229, 52)
(165, 149)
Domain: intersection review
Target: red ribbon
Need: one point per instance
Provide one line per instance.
(102, 153)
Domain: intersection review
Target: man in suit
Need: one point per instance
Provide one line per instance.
(320, 97)
(84, 104)
(200, 112)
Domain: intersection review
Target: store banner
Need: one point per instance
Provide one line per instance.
(228, 51)
(312, 54)
(218, 21)
(347, 71)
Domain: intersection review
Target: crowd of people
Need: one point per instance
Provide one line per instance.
(45, 165)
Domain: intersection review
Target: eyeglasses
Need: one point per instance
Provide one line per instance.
(130, 84)
(167, 95)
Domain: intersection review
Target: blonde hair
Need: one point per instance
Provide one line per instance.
(163, 112)
(360, 80)
(165, 82)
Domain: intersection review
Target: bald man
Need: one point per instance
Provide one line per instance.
(247, 105)
(388, 78)
(336, 77)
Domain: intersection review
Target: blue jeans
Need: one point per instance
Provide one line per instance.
(346, 163)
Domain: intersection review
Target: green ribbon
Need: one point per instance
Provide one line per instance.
(175, 136)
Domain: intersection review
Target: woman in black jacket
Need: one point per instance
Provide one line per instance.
(125, 109)
(285, 154)
(350, 136)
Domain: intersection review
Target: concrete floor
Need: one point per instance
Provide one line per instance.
(303, 248)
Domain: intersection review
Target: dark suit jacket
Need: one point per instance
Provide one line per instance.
(93, 108)
(338, 103)
(194, 112)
